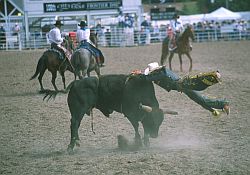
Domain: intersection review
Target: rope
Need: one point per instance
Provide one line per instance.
(92, 120)
(91, 111)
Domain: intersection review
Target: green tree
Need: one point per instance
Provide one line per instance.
(234, 5)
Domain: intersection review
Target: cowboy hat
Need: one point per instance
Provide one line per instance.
(151, 67)
(58, 23)
(176, 16)
(82, 24)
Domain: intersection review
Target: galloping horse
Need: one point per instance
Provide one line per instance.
(83, 60)
(53, 61)
(183, 47)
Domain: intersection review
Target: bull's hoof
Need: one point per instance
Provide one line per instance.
(123, 143)
(146, 143)
(77, 143)
(70, 149)
(138, 142)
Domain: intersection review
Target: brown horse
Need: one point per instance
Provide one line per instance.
(183, 47)
(53, 61)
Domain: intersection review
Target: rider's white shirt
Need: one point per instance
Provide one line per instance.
(55, 36)
(177, 25)
(82, 35)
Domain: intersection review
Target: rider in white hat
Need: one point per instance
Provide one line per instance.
(83, 38)
(56, 40)
(177, 28)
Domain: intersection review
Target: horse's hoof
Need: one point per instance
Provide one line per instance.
(64, 91)
(42, 91)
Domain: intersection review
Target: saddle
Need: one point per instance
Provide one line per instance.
(62, 52)
(94, 51)
(63, 56)
(60, 55)
(85, 46)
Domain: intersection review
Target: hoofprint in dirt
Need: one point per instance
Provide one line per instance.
(35, 134)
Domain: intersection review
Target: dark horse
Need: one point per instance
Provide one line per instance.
(83, 60)
(52, 60)
(183, 47)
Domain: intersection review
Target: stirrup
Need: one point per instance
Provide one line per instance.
(172, 49)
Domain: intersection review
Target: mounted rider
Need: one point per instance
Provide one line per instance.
(56, 40)
(83, 39)
(177, 29)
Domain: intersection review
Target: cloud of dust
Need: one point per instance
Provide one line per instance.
(181, 140)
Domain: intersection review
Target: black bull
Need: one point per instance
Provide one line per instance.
(134, 96)
(119, 93)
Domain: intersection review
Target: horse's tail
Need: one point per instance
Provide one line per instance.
(52, 94)
(40, 65)
(164, 50)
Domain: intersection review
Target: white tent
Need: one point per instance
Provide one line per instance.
(222, 14)
(193, 18)
(244, 15)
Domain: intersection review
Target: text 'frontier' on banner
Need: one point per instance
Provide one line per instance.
(81, 6)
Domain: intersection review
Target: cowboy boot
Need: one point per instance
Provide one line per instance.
(102, 60)
(98, 61)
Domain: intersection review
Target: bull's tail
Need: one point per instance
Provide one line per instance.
(40, 65)
(52, 94)
(70, 86)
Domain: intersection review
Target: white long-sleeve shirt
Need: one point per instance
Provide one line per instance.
(177, 25)
(82, 35)
(55, 36)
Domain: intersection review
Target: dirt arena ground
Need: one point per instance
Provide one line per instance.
(35, 134)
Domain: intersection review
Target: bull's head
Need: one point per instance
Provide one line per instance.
(152, 120)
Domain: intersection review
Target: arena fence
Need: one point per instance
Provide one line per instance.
(119, 38)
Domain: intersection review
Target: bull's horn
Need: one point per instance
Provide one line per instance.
(165, 111)
(146, 108)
